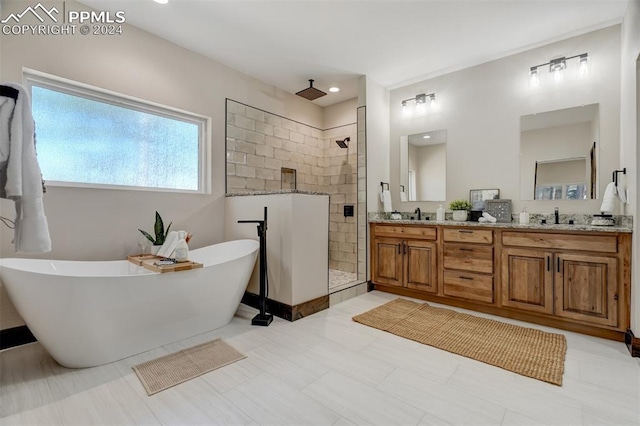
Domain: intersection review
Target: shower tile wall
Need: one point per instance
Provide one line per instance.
(342, 187)
(259, 144)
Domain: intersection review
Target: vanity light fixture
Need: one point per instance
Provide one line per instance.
(557, 68)
(421, 103)
(161, 1)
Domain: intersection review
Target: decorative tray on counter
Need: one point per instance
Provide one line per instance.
(149, 261)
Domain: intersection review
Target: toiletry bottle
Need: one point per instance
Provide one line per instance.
(524, 216)
(181, 252)
(440, 213)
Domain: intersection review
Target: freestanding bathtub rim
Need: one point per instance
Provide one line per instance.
(129, 268)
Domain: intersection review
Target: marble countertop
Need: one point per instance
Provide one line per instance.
(278, 192)
(533, 226)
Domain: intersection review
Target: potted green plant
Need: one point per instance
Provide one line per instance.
(460, 209)
(160, 234)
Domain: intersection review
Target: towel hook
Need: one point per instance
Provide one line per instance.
(615, 175)
(402, 186)
(382, 184)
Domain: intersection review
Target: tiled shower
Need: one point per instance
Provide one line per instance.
(267, 152)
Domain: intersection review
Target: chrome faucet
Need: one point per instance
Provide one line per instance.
(417, 210)
(556, 212)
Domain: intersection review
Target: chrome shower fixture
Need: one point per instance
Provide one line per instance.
(343, 143)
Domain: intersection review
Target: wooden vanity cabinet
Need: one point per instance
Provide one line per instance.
(405, 256)
(586, 288)
(576, 280)
(467, 264)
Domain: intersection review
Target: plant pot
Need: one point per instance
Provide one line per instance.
(460, 215)
(155, 249)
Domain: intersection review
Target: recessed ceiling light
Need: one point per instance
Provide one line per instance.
(162, 1)
(334, 89)
(426, 137)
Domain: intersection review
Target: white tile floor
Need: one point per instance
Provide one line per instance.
(328, 370)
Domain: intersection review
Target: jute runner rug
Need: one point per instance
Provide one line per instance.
(526, 351)
(169, 370)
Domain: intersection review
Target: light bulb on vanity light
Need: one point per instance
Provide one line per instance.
(557, 66)
(534, 80)
(406, 110)
(421, 101)
(583, 69)
(433, 102)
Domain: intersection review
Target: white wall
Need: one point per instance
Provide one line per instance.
(91, 224)
(481, 108)
(629, 133)
(339, 114)
(297, 243)
(377, 102)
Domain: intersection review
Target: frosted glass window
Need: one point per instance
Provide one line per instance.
(106, 141)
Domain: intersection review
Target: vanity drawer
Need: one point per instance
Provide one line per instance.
(407, 231)
(468, 258)
(599, 243)
(482, 236)
(468, 286)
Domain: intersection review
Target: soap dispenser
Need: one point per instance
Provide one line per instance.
(181, 252)
(524, 216)
(440, 213)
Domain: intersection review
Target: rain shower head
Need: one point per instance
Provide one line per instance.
(311, 92)
(343, 143)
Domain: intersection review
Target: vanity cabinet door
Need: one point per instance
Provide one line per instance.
(586, 288)
(387, 265)
(527, 279)
(420, 265)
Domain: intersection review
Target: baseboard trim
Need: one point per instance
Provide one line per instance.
(16, 336)
(633, 343)
(287, 312)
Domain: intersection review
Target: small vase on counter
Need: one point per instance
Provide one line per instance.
(460, 215)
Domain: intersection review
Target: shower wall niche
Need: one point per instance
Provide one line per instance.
(260, 145)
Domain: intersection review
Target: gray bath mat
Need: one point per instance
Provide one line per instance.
(170, 370)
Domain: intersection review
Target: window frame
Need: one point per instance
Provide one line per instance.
(73, 88)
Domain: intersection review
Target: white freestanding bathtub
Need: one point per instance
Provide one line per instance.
(92, 313)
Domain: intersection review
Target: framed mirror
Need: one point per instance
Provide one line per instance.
(423, 166)
(559, 154)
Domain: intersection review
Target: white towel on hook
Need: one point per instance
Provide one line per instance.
(23, 177)
(621, 193)
(386, 201)
(403, 196)
(608, 199)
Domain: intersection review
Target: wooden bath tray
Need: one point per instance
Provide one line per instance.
(147, 261)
